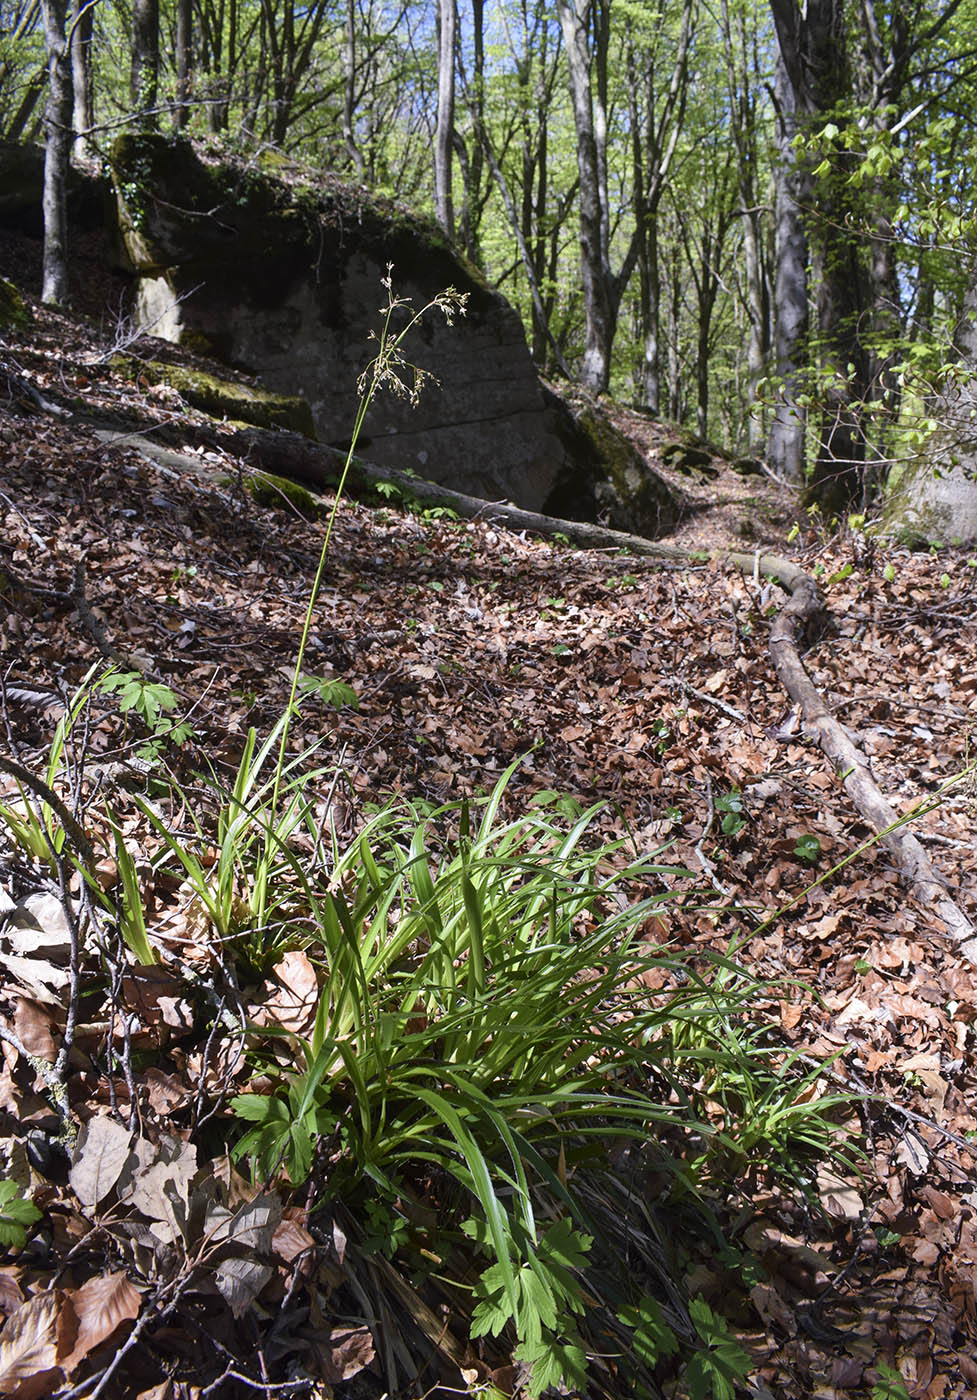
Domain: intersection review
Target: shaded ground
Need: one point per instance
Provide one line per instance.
(642, 687)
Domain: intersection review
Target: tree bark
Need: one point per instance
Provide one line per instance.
(144, 65)
(184, 31)
(744, 127)
(82, 113)
(813, 45)
(788, 428)
(349, 92)
(444, 137)
(57, 154)
(595, 369)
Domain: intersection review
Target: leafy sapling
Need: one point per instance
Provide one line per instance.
(154, 703)
(332, 692)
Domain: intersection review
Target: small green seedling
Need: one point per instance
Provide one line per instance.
(153, 702)
(16, 1214)
(808, 849)
(334, 693)
(734, 818)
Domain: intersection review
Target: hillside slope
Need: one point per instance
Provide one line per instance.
(646, 688)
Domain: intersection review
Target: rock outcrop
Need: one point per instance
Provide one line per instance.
(932, 499)
(286, 282)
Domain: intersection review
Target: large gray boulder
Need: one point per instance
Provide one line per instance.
(286, 282)
(933, 498)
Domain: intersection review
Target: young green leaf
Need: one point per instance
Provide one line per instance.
(713, 1371)
(16, 1214)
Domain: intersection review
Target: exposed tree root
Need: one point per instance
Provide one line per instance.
(287, 454)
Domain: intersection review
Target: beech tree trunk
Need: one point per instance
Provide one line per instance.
(599, 328)
(144, 66)
(82, 114)
(742, 87)
(57, 154)
(445, 133)
(788, 427)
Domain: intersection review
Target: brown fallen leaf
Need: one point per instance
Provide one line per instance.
(31, 1343)
(838, 1197)
(291, 1239)
(772, 1308)
(11, 1296)
(33, 1024)
(344, 1353)
(102, 1151)
(240, 1281)
(294, 999)
(101, 1306)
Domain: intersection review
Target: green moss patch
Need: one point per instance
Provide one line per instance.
(13, 309)
(225, 398)
(270, 490)
(641, 490)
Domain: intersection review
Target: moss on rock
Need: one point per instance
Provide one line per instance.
(934, 500)
(179, 210)
(225, 398)
(14, 311)
(641, 495)
(270, 490)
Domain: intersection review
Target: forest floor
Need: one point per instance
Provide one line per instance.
(614, 680)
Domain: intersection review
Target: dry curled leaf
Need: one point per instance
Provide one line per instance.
(294, 997)
(240, 1281)
(345, 1353)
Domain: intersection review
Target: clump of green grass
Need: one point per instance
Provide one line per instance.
(491, 1020)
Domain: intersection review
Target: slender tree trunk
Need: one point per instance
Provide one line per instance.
(651, 293)
(741, 101)
(184, 33)
(445, 132)
(647, 377)
(788, 427)
(654, 137)
(813, 46)
(11, 73)
(57, 154)
(594, 273)
(144, 67)
(21, 119)
(476, 172)
(676, 404)
(349, 92)
(82, 112)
